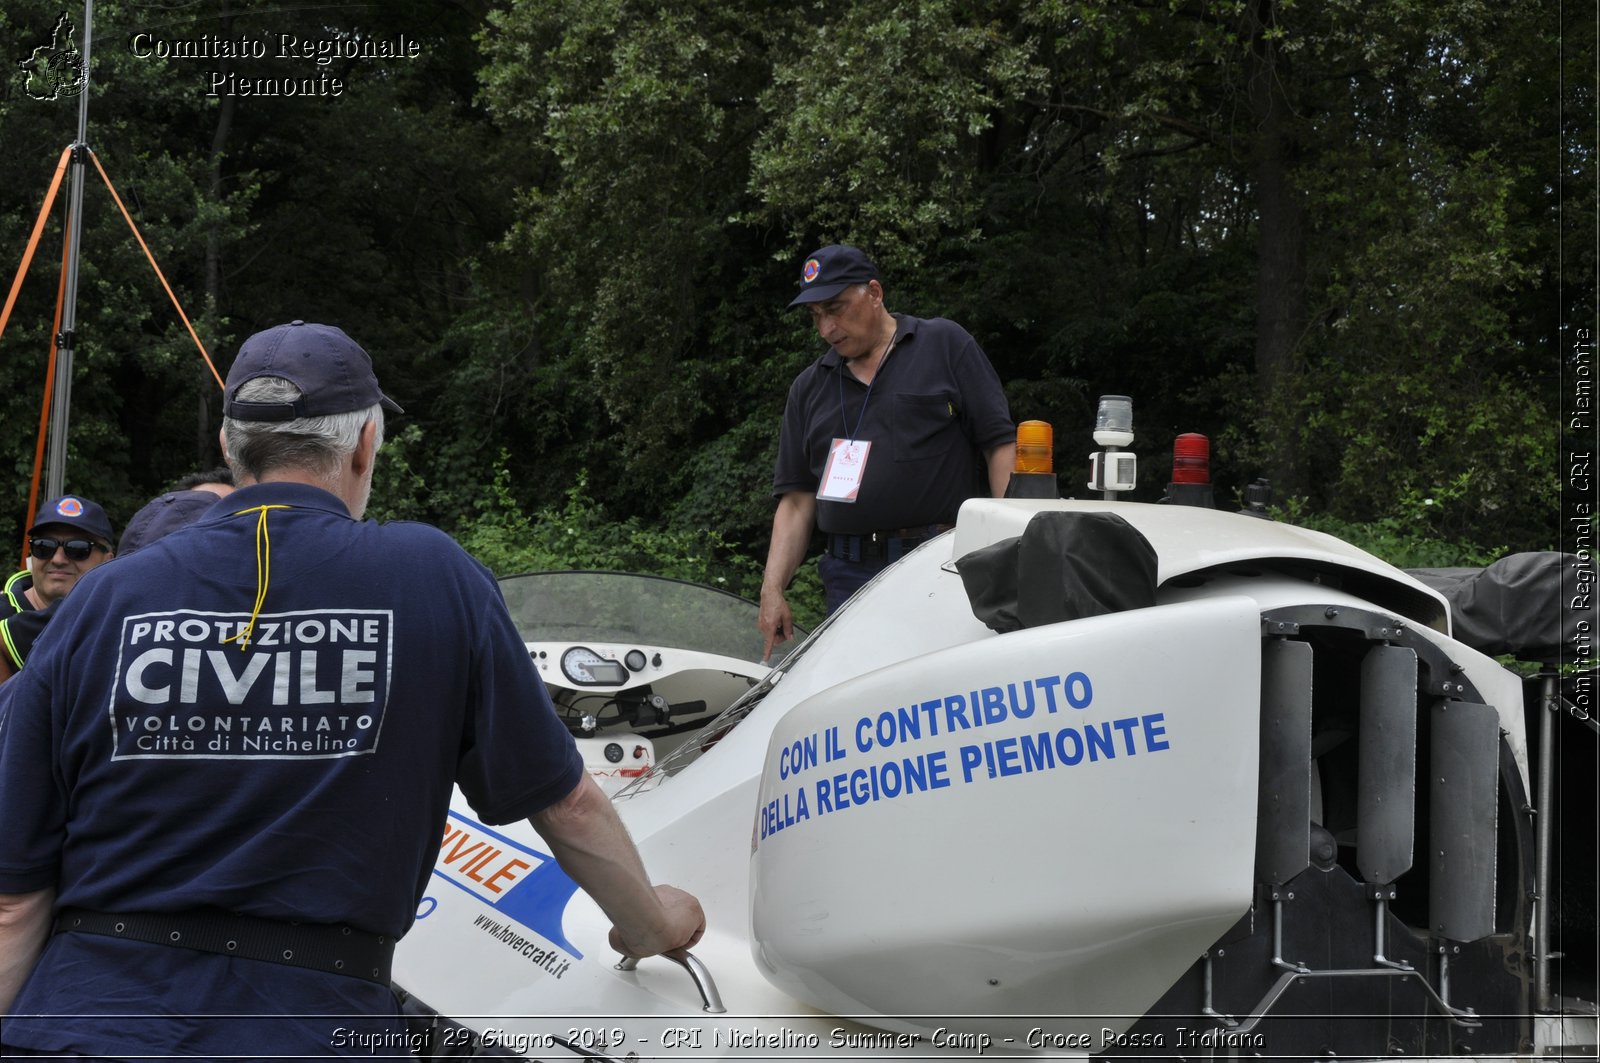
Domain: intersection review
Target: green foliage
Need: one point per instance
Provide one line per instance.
(873, 122)
(579, 534)
(1405, 538)
(1341, 239)
(361, 209)
(640, 117)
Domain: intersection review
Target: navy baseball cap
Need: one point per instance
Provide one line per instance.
(830, 270)
(331, 370)
(164, 515)
(74, 511)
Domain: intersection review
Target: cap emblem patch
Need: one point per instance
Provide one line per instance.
(69, 507)
(813, 267)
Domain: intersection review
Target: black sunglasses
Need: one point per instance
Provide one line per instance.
(77, 549)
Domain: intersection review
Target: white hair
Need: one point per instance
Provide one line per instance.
(318, 445)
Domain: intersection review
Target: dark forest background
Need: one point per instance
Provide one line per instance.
(1347, 240)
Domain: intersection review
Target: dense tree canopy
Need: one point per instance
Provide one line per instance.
(1328, 235)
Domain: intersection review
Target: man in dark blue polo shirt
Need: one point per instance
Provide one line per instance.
(224, 769)
(884, 436)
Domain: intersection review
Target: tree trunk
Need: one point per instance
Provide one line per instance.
(1280, 278)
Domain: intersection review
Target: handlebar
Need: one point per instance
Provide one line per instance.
(710, 999)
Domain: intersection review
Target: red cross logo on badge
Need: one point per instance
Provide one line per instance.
(809, 274)
(69, 507)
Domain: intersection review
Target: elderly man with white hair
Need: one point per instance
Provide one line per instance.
(291, 694)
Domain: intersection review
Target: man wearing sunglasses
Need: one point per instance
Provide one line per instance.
(70, 535)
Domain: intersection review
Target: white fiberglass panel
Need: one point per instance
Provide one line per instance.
(1053, 822)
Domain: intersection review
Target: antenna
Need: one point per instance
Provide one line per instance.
(61, 405)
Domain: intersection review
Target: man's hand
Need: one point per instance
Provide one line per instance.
(682, 924)
(775, 621)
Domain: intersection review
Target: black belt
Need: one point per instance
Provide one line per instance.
(882, 545)
(314, 946)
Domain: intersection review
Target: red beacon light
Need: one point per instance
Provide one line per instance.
(1191, 459)
(1191, 472)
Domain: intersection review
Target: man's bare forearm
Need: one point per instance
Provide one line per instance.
(791, 534)
(1001, 460)
(592, 846)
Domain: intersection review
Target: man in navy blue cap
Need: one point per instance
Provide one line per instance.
(884, 436)
(196, 798)
(70, 535)
(189, 498)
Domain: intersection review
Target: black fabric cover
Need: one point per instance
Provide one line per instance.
(1525, 605)
(1064, 566)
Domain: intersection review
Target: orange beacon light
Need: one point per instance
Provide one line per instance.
(1033, 474)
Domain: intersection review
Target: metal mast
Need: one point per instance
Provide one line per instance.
(61, 404)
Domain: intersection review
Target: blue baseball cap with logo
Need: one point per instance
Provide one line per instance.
(74, 511)
(829, 270)
(331, 370)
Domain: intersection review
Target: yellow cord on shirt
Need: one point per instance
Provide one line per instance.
(263, 572)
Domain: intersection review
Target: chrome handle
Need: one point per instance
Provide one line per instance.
(710, 999)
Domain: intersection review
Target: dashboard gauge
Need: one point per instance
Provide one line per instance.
(587, 668)
(634, 660)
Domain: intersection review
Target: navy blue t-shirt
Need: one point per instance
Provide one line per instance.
(935, 407)
(147, 765)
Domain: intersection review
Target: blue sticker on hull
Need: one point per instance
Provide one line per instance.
(523, 885)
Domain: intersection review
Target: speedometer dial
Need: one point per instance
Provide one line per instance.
(585, 667)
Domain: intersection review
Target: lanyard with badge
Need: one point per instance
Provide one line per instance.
(847, 457)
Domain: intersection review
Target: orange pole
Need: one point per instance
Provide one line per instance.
(159, 275)
(11, 302)
(49, 391)
(33, 241)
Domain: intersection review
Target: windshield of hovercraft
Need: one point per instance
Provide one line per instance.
(717, 729)
(622, 608)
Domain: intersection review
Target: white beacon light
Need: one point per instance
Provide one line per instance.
(1113, 421)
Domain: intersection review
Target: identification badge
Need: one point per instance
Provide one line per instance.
(841, 477)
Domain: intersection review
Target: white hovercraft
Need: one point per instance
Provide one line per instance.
(1077, 778)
